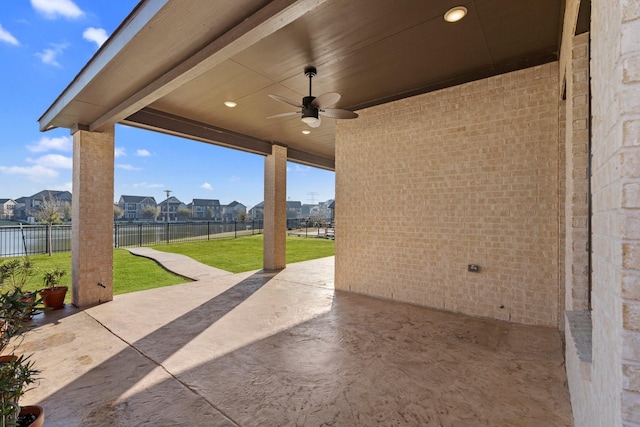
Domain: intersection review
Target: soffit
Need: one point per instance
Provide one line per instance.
(370, 51)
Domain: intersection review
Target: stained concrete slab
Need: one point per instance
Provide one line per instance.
(285, 349)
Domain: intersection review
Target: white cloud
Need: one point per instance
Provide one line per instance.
(53, 161)
(49, 56)
(207, 186)
(143, 153)
(96, 35)
(65, 186)
(35, 173)
(147, 185)
(128, 167)
(51, 9)
(119, 152)
(235, 178)
(6, 36)
(45, 144)
(300, 168)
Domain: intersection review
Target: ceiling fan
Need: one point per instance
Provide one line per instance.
(313, 107)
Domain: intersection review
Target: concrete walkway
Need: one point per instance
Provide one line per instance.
(285, 349)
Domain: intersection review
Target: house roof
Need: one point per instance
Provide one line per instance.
(172, 63)
(136, 199)
(206, 202)
(235, 204)
(293, 204)
(56, 194)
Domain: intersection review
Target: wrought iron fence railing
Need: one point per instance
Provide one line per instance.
(34, 239)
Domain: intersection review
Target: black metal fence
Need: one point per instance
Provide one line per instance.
(21, 240)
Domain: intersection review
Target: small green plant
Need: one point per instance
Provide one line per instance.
(16, 309)
(17, 374)
(16, 272)
(51, 278)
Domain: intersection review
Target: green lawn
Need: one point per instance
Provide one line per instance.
(132, 273)
(245, 254)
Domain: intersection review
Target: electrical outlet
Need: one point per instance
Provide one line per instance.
(474, 268)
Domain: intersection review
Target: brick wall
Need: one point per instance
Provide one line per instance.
(465, 175)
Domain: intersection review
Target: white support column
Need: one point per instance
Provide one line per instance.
(275, 209)
(92, 221)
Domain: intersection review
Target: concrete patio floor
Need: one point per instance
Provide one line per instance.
(285, 349)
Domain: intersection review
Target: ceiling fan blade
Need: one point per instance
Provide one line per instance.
(337, 113)
(285, 100)
(290, 113)
(326, 100)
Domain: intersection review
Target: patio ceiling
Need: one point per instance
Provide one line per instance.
(172, 63)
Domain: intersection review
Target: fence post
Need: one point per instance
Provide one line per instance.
(167, 233)
(235, 229)
(208, 231)
(47, 236)
(140, 234)
(115, 234)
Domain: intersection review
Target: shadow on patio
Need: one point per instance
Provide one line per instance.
(283, 348)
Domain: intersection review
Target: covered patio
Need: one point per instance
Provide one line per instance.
(286, 349)
(498, 158)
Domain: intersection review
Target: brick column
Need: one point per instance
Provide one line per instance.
(92, 224)
(275, 209)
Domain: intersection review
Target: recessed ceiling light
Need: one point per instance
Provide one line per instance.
(230, 104)
(306, 131)
(455, 14)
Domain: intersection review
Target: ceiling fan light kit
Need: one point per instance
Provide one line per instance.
(313, 107)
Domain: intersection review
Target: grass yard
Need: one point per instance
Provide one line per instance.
(245, 254)
(132, 273)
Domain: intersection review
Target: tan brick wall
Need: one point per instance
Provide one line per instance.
(92, 225)
(577, 180)
(465, 175)
(607, 392)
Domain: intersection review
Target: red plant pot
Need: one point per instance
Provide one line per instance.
(38, 411)
(54, 297)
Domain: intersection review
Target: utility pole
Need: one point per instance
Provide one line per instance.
(313, 197)
(167, 207)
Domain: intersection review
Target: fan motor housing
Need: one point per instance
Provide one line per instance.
(309, 110)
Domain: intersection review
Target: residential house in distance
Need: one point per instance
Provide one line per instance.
(169, 209)
(257, 212)
(6, 208)
(294, 209)
(27, 207)
(133, 206)
(206, 209)
(233, 211)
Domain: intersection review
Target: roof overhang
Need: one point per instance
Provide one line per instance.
(171, 64)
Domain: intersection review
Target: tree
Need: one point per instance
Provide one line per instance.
(183, 213)
(66, 211)
(241, 216)
(149, 212)
(49, 213)
(118, 212)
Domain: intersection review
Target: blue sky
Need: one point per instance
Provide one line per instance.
(43, 45)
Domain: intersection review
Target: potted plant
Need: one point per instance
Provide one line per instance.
(14, 273)
(52, 294)
(17, 373)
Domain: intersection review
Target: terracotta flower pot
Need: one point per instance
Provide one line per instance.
(38, 411)
(54, 297)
